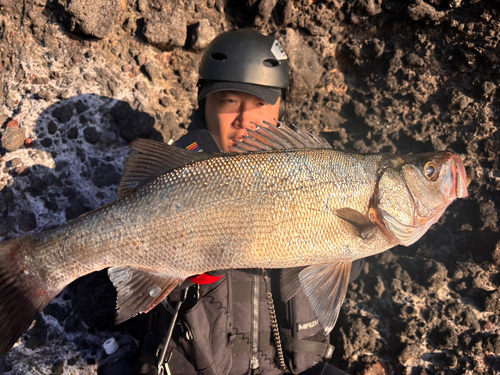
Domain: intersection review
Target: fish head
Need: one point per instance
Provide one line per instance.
(415, 190)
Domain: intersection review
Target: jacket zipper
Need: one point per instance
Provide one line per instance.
(254, 362)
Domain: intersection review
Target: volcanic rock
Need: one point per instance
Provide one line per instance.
(13, 138)
(166, 30)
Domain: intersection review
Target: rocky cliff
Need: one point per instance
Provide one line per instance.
(80, 79)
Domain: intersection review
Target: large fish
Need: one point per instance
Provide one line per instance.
(183, 213)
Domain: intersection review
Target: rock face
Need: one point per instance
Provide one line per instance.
(303, 63)
(13, 138)
(203, 33)
(81, 79)
(166, 30)
(94, 18)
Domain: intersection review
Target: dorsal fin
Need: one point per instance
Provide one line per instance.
(152, 159)
(278, 138)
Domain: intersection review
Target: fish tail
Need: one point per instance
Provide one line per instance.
(20, 298)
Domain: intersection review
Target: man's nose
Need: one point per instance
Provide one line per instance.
(246, 119)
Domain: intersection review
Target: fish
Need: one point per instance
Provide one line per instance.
(282, 199)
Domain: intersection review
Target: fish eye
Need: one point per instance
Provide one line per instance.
(430, 171)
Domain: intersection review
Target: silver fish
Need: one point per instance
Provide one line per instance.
(182, 213)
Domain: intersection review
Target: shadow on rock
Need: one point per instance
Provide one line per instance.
(75, 166)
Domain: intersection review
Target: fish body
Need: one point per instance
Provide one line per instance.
(258, 210)
(183, 213)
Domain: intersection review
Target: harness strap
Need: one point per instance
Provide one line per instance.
(305, 346)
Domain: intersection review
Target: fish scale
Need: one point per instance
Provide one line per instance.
(255, 210)
(191, 213)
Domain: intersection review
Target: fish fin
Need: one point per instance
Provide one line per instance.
(278, 138)
(325, 285)
(20, 299)
(361, 225)
(289, 282)
(152, 159)
(139, 291)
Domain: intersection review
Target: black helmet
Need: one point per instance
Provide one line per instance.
(244, 60)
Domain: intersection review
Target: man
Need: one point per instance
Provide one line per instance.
(233, 321)
(243, 80)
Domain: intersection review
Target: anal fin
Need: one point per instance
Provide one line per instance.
(325, 285)
(139, 291)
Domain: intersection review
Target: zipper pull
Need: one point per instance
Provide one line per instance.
(254, 366)
(266, 280)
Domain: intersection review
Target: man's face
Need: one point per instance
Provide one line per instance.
(229, 113)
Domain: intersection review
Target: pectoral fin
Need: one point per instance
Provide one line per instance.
(138, 291)
(325, 285)
(361, 225)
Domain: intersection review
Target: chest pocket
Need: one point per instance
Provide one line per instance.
(303, 342)
(206, 341)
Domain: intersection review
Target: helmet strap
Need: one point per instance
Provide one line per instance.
(282, 109)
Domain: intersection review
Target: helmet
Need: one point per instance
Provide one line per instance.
(244, 60)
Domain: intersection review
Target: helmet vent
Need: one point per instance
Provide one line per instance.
(218, 56)
(270, 63)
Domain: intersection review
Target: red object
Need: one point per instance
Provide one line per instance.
(28, 143)
(12, 124)
(205, 278)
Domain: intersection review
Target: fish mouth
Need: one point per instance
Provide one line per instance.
(456, 182)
